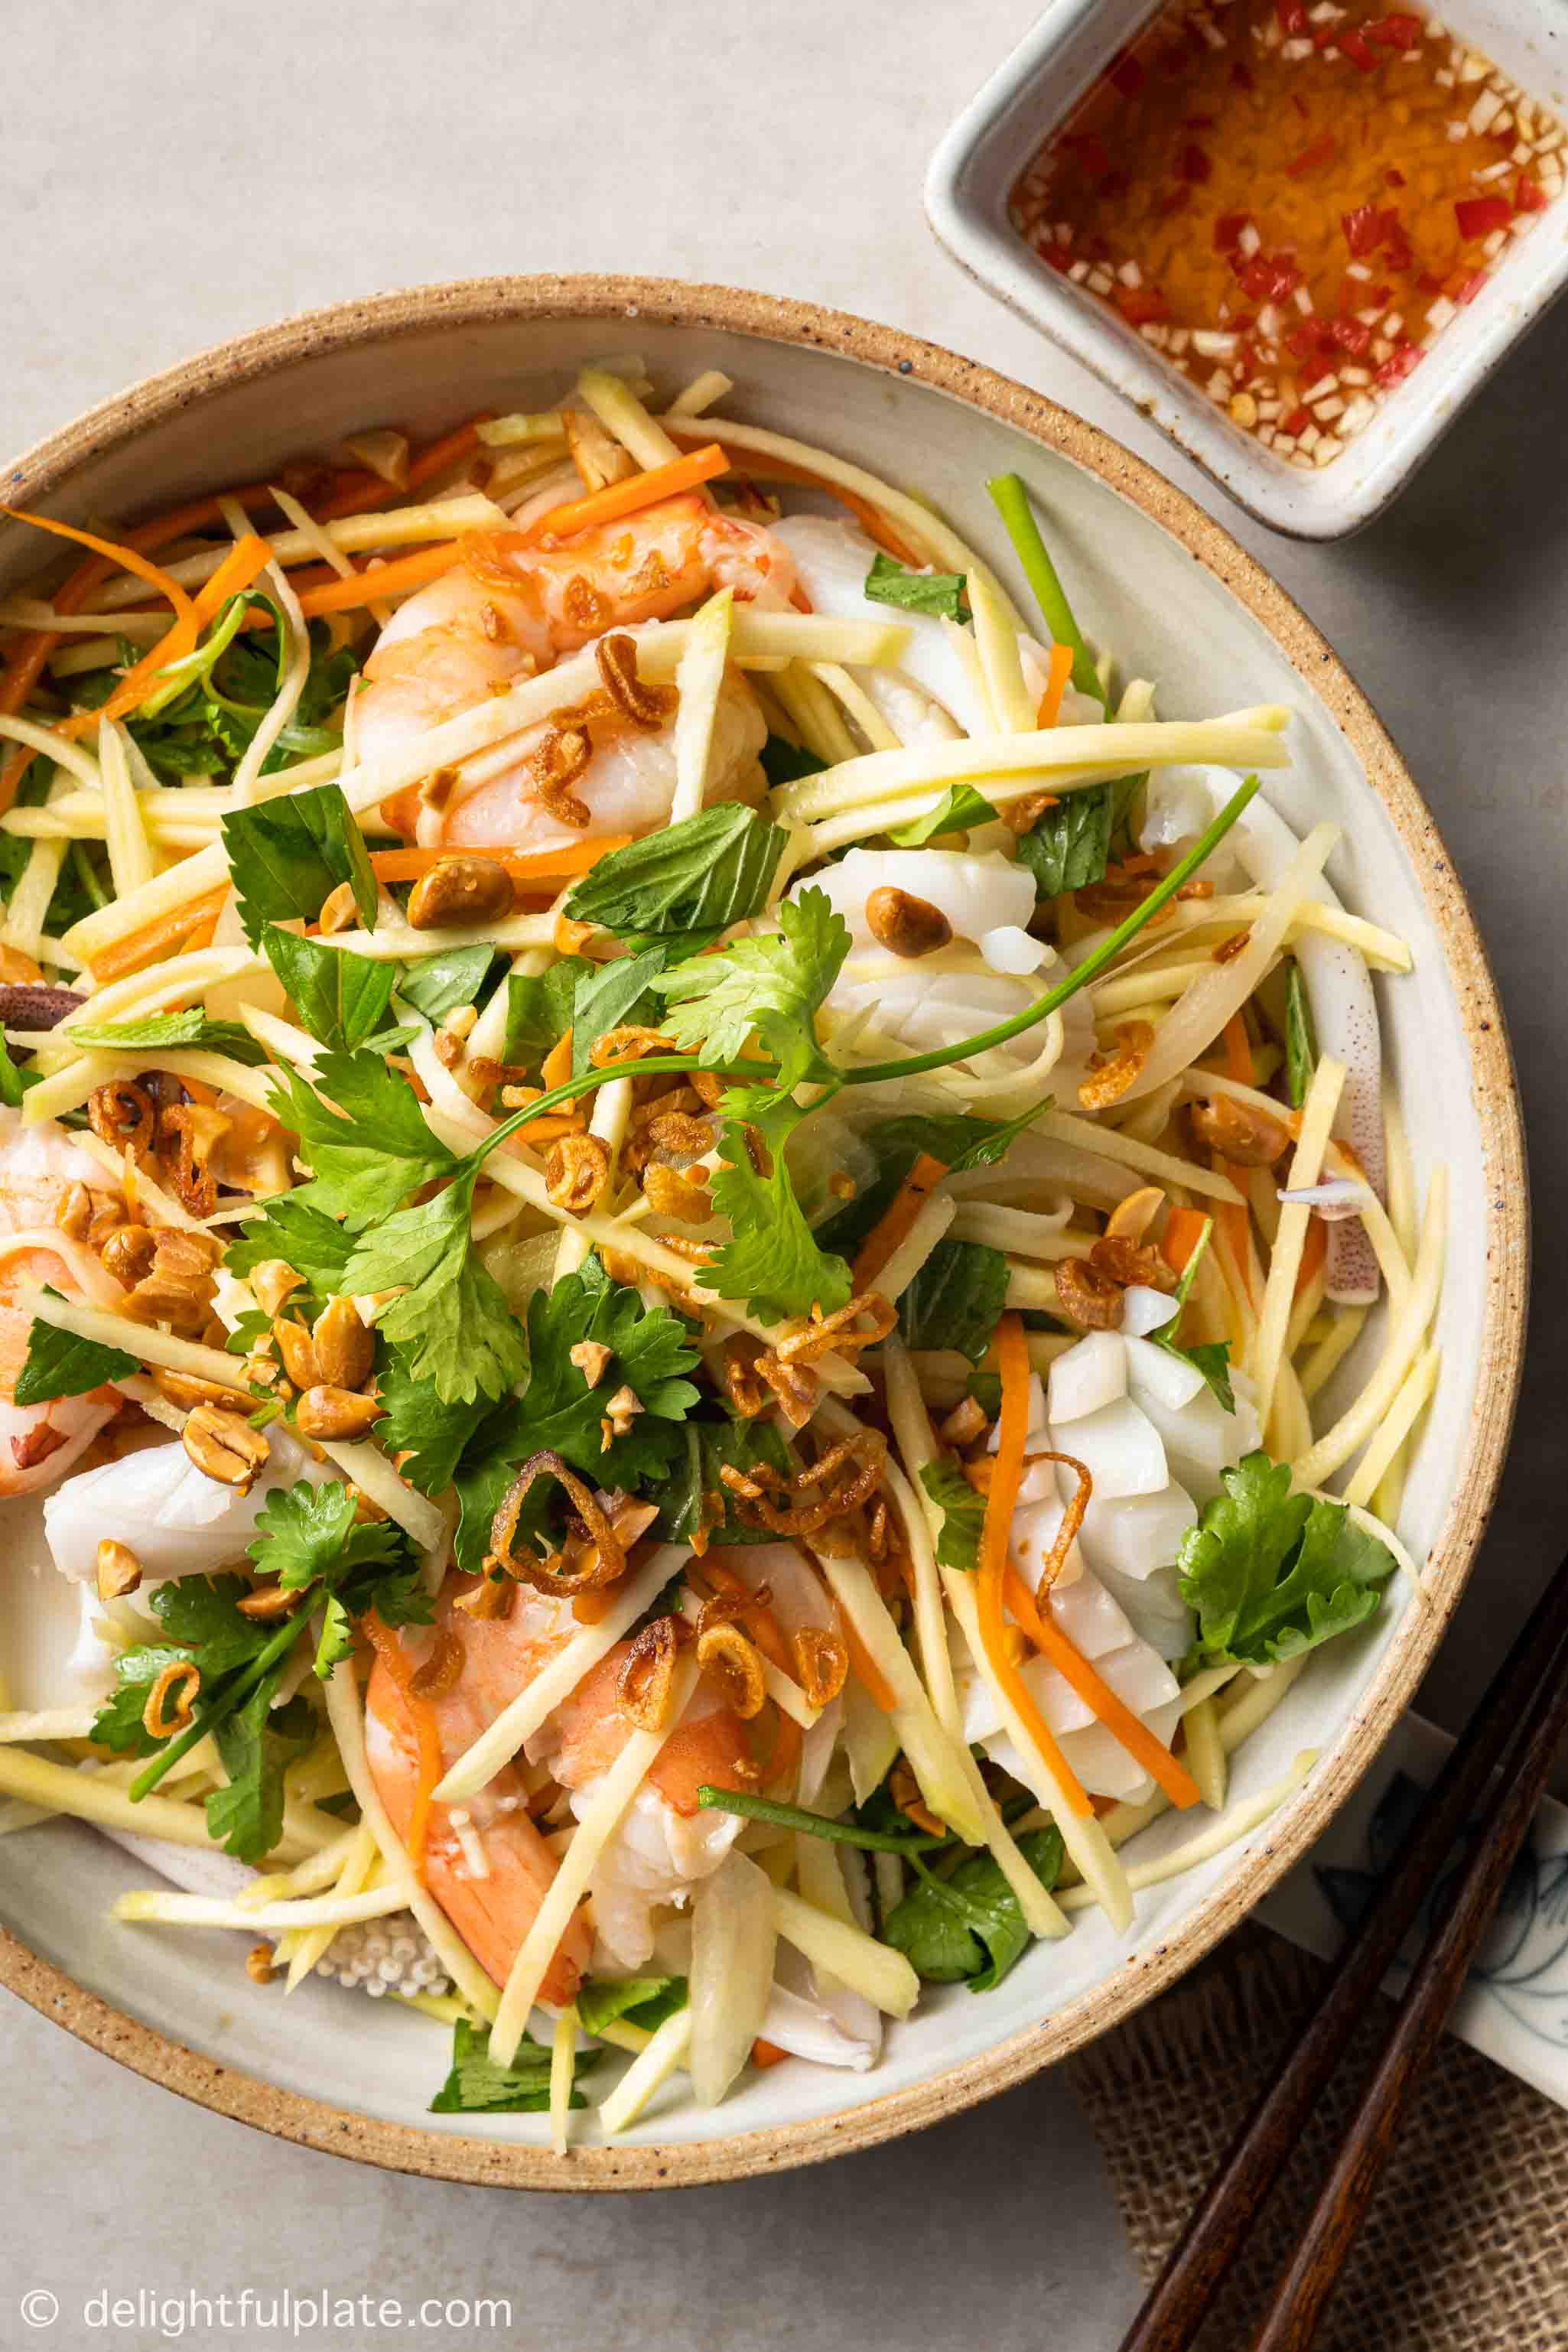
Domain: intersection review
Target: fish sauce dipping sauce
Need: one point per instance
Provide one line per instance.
(1290, 202)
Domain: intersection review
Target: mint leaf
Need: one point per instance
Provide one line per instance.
(963, 1512)
(437, 984)
(889, 582)
(702, 874)
(1271, 1573)
(774, 1261)
(451, 1317)
(1301, 1042)
(1068, 846)
(342, 999)
(686, 1500)
(960, 810)
(956, 1299)
(192, 1029)
(784, 762)
(539, 1010)
(287, 856)
(605, 996)
(773, 984)
(641, 2001)
(970, 1928)
(59, 1364)
(364, 1138)
(477, 2085)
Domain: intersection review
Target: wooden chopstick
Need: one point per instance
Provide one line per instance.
(1517, 1730)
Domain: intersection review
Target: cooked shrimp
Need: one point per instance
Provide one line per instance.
(38, 1166)
(486, 1863)
(507, 610)
(666, 1841)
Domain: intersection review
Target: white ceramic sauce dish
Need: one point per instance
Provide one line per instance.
(974, 169)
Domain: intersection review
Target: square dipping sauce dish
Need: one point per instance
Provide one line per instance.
(972, 206)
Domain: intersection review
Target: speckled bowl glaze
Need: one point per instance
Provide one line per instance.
(978, 163)
(1159, 581)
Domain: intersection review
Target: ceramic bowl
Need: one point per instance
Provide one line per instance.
(1156, 579)
(978, 163)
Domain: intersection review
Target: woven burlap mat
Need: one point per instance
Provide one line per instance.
(1466, 2246)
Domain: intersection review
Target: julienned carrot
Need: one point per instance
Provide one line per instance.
(1237, 1050)
(1315, 1250)
(767, 2053)
(892, 1227)
(617, 499)
(427, 1733)
(1056, 685)
(1117, 1716)
(1184, 1229)
(523, 865)
(395, 578)
(139, 949)
(557, 1066)
(864, 1669)
(1012, 1435)
(238, 569)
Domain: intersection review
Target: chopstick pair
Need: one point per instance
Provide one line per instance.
(1514, 1735)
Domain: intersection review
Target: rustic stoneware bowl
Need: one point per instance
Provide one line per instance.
(1154, 578)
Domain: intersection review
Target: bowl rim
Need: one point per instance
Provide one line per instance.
(383, 318)
(1333, 503)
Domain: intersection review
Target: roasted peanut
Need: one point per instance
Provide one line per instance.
(188, 1389)
(345, 1350)
(334, 1413)
(74, 1214)
(119, 1569)
(225, 1447)
(592, 1359)
(272, 1281)
(297, 1350)
(464, 889)
(267, 1603)
(905, 925)
(126, 1253)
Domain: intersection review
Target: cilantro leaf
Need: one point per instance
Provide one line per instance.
(773, 984)
(61, 1365)
(970, 1928)
(13, 1081)
(605, 996)
(1301, 1041)
(702, 874)
(641, 2001)
(247, 1816)
(784, 762)
(539, 1009)
(288, 854)
(437, 984)
(956, 1299)
(889, 583)
(342, 999)
(190, 1028)
(559, 1412)
(773, 1261)
(1068, 846)
(201, 1613)
(962, 1512)
(419, 1424)
(478, 2086)
(960, 810)
(451, 1314)
(1271, 1573)
(118, 1723)
(305, 1532)
(314, 1244)
(371, 1150)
